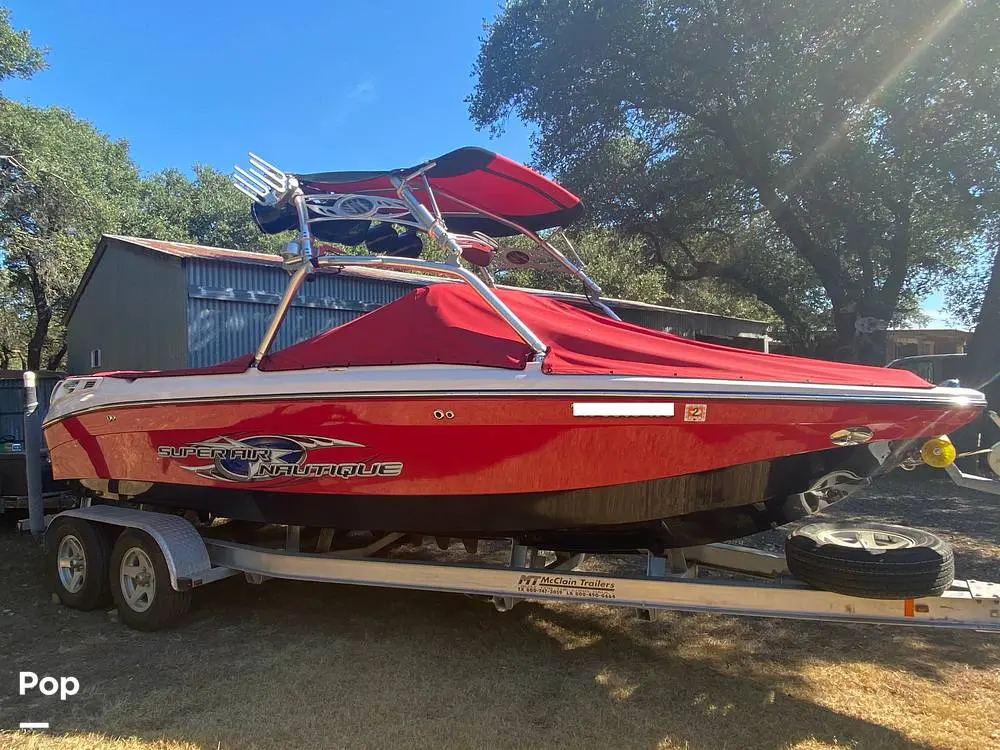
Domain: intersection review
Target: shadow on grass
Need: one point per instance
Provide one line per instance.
(294, 664)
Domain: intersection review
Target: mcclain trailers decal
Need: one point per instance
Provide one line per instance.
(266, 457)
(566, 585)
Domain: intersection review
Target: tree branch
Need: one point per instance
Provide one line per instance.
(43, 315)
(734, 274)
(796, 326)
(55, 359)
(899, 252)
(984, 347)
(827, 265)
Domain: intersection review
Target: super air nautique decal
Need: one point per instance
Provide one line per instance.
(264, 457)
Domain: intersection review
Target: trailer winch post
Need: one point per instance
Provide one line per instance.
(33, 456)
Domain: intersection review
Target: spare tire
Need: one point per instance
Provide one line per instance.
(871, 560)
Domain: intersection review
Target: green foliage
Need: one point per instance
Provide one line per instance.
(832, 159)
(624, 269)
(14, 323)
(811, 162)
(974, 296)
(965, 286)
(617, 264)
(18, 59)
(65, 184)
(207, 210)
(620, 266)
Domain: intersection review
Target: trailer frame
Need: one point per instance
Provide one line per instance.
(675, 581)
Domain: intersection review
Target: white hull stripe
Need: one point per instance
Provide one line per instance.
(86, 394)
(623, 409)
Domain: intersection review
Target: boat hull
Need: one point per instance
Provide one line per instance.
(480, 458)
(458, 446)
(671, 511)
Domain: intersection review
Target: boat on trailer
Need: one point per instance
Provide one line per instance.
(471, 410)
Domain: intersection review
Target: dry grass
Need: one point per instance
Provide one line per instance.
(88, 741)
(305, 665)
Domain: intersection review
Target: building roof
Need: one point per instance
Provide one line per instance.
(19, 374)
(633, 305)
(929, 331)
(187, 250)
(184, 250)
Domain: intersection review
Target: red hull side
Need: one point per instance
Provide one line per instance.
(458, 445)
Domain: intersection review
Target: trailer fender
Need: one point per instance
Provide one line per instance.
(181, 544)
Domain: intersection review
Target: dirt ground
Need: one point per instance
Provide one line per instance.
(309, 665)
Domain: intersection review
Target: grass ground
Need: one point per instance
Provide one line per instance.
(292, 664)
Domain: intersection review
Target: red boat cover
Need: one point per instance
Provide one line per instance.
(450, 323)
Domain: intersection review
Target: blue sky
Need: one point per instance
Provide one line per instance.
(329, 85)
(311, 87)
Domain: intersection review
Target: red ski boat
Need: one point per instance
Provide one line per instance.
(469, 410)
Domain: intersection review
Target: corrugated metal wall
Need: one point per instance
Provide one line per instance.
(150, 309)
(230, 305)
(12, 402)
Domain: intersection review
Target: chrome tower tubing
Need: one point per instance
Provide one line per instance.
(413, 264)
(432, 225)
(486, 276)
(302, 210)
(307, 255)
(599, 304)
(595, 300)
(279, 315)
(588, 282)
(565, 238)
(430, 196)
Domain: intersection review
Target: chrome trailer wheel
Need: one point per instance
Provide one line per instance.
(72, 562)
(77, 553)
(140, 584)
(872, 539)
(137, 579)
(872, 560)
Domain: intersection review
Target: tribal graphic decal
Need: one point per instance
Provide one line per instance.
(265, 457)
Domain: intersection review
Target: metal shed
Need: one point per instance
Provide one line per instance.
(152, 304)
(13, 480)
(12, 403)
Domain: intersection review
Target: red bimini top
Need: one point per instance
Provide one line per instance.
(450, 323)
(469, 175)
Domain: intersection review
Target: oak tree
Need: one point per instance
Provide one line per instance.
(832, 158)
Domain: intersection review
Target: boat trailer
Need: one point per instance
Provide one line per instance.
(152, 548)
(675, 581)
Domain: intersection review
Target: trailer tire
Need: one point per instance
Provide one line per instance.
(76, 556)
(140, 584)
(870, 560)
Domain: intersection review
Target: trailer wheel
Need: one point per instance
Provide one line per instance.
(77, 553)
(140, 584)
(875, 561)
